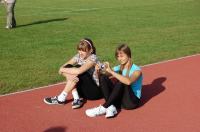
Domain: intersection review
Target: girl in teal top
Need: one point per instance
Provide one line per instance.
(126, 91)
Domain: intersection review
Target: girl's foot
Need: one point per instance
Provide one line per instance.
(53, 100)
(96, 111)
(77, 103)
(111, 111)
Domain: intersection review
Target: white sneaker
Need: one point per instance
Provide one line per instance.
(111, 111)
(96, 111)
(8, 27)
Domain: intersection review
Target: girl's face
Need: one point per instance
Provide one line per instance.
(122, 57)
(83, 54)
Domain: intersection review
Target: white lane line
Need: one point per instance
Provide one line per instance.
(161, 62)
(33, 89)
(165, 61)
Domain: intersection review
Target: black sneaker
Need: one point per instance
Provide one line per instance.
(77, 103)
(53, 100)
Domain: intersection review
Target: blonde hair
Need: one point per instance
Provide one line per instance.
(124, 48)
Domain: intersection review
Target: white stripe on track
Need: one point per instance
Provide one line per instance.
(161, 62)
(29, 90)
(165, 61)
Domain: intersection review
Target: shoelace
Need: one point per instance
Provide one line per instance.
(97, 110)
(76, 101)
(54, 99)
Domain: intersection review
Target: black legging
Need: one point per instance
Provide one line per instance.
(86, 86)
(118, 94)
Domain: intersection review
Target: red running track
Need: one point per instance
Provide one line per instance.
(171, 92)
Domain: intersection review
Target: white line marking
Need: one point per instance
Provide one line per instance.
(42, 87)
(161, 62)
(165, 61)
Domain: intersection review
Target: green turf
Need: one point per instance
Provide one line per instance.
(48, 32)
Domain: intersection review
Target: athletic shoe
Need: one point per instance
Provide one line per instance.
(53, 100)
(77, 103)
(111, 111)
(8, 27)
(96, 111)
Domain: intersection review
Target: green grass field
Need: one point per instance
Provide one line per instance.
(48, 32)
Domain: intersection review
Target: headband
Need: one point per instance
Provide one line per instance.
(88, 42)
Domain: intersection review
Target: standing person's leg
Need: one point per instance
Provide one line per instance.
(9, 8)
(13, 16)
(87, 88)
(129, 100)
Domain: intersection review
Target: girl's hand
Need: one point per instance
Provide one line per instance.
(97, 68)
(107, 67)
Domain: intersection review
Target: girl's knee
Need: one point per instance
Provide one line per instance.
(65, 75)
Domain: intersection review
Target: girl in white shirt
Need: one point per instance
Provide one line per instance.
(80, 75)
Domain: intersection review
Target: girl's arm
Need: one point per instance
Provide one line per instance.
(72, 61)
(127, 80)
(124, 79)
(79, 70)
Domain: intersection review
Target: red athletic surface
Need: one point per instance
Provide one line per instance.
(171, 95)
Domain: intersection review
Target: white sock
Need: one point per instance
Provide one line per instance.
(62, 96)
(75, 94)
